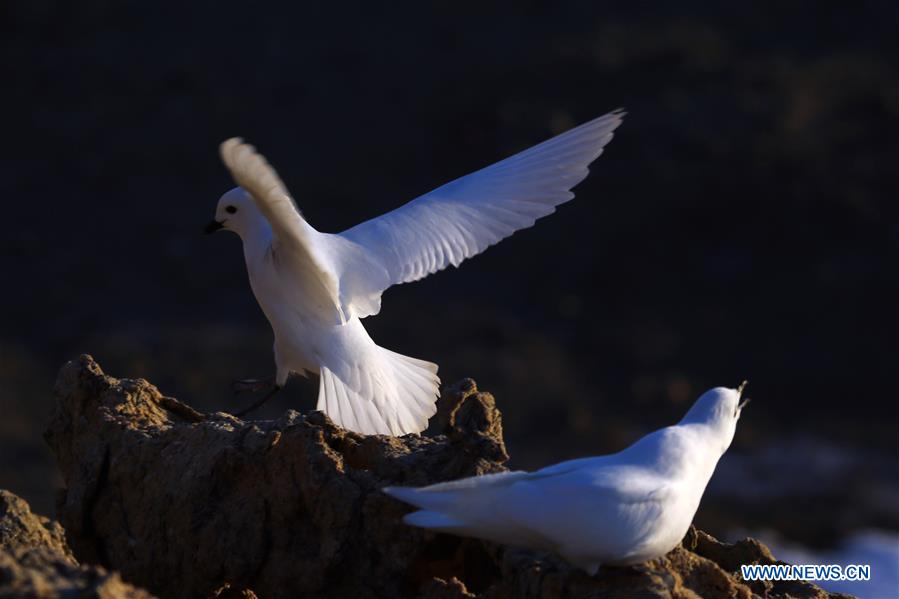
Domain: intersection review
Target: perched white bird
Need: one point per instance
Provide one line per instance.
(619, 509)
(314, 287)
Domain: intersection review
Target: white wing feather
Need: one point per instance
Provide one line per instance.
(554, 508)
(292, 233)
(252, 171)
(464, 217)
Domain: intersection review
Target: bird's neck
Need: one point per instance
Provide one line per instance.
(257, 239)
(713, 445)
(678, 449)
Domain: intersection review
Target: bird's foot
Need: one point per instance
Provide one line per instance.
(252, 385)
(258, 403)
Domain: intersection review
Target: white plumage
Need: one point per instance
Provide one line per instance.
(314, 287)
(618, 509)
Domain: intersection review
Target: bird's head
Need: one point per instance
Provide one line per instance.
(719, 408)
(236, 211)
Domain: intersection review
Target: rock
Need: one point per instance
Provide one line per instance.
(22, 529)
(284, 507)
(729, 556)
(36, 562)
(193, 505)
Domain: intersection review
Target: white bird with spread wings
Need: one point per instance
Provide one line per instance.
(315, 287)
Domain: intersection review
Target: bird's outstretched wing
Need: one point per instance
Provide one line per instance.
(255, 175)
(464, 217)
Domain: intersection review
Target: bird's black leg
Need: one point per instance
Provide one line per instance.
(252, 385)
(255, 405)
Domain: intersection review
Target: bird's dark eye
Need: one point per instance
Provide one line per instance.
(230, 209)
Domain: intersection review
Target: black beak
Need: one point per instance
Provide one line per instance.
(213, 226)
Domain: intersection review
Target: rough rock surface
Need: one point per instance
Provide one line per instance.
(36, 562)
(193, 505)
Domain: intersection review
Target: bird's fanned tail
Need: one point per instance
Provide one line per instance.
(381, 392)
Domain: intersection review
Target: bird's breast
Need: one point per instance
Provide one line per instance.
(288, 294)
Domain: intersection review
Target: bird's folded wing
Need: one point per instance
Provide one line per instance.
(464, 217)
(471, 505)
(630, 483)
(442, 496)
(257, 177)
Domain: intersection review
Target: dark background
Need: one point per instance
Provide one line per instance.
(742, 224)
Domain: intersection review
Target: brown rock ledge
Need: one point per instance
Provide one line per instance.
(36, 562)
(188, 506)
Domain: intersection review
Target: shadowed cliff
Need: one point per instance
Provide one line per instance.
(192, 505)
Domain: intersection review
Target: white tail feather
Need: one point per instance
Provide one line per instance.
(382, 393)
